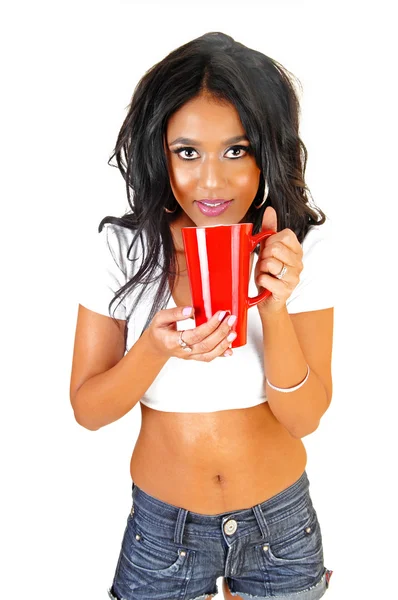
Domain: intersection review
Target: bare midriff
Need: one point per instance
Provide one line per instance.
(216, 462)
(211, 463)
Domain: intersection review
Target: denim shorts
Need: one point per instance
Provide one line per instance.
(273, 549)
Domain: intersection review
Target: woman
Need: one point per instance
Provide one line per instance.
(219, 482)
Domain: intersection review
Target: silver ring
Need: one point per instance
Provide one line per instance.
(183, 344)
(282, 273)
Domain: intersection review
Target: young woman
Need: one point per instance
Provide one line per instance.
(219, 482)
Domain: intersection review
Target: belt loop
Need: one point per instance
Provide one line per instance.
(180, 525)
(262, 523)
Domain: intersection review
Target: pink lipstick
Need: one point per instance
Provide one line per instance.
(219, 206)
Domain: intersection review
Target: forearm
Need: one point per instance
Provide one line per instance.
(285, 366)
(108, 396)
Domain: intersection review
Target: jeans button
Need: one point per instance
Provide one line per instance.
(230, 526)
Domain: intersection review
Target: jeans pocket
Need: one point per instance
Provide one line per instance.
(293, 561)
(301, 545)
(144, 553)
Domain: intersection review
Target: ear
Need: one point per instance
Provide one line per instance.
(270, 219)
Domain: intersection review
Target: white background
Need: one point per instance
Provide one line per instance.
(68, 72)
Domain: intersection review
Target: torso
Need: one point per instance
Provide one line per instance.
(215, 462)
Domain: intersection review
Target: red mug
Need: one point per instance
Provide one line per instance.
(218, 262)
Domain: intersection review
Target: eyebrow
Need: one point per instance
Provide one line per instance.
(233, 140)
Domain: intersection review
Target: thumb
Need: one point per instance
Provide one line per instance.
(270, 219)
(169, 316)
(185, 312)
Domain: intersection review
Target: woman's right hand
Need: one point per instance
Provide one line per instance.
(208, 341)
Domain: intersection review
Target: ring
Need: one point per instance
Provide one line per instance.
(183, 344)
(282, 273)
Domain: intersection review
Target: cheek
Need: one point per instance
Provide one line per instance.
(247, 180)
(181, 179)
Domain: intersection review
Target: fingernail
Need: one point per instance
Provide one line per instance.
(187, 311)
(231, 320)
(231, 336)
(221, 315)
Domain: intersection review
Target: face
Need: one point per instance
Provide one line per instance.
(209, 158)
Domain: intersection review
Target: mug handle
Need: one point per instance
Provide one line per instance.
(254, 240)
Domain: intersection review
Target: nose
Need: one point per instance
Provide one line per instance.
(212, 174)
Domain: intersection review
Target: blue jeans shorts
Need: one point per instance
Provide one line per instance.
(271, 550)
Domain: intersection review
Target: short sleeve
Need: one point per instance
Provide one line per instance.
(315, 290)
(101, 274)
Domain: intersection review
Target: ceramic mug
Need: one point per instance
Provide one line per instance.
(218, 264)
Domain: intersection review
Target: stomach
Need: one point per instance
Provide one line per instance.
(217, 462)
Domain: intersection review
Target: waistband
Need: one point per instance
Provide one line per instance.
(151, 508)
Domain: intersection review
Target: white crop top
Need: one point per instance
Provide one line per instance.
(188, 385)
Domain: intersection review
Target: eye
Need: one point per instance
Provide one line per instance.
(187, 149)
(239, 149)
(183, 149)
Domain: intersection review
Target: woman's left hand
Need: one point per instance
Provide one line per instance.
(281, 248)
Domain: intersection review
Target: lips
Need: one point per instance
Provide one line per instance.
(213, 200)
(213, 211)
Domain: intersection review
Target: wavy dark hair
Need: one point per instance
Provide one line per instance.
(264, 95)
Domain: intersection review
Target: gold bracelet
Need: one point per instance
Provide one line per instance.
(291, 389)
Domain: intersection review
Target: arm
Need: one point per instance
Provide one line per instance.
(290, 343)
(105, 385)
(105, 382)
(303, 333)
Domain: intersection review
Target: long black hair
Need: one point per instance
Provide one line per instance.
(264, 95)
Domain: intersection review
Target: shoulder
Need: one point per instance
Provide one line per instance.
(122, 243)
(117, 235)
(318, 245)
(315, 290)
(318, 234)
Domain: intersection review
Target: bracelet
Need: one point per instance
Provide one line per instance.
(291, 389)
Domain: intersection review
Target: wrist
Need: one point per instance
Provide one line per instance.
(152, 348)
(271, 314)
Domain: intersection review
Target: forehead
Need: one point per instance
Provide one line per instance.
(203, 118)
